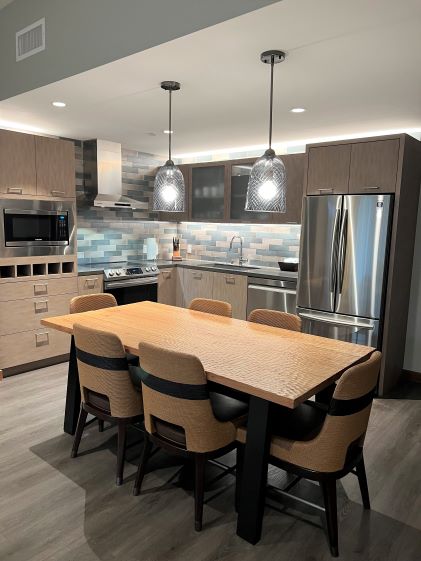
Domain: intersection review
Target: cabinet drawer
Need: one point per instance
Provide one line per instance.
(233, 289)
(90, 284)
(29, 289)
(30, 346)
(197, 284)
(25, 315)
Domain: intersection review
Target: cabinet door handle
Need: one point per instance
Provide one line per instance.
(91, 283)
(371, 188)
(229, 279)
(166, 274)
(42, 339)
(40, 289)
(327, 190)
(15, 190)
(41, 306)
(197, 276)
(57, 192)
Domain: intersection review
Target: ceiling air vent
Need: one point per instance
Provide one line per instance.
(30, 40)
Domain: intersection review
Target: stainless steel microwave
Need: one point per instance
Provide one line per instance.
(36, 228)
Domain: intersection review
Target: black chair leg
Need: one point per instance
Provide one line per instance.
(79, 431)
(329, 495)
(199, 490)
(100, 425)
(238, 475)
(146, 451)
(362, 479)
(121, 452)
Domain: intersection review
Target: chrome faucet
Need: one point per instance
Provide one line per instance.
(241, 259)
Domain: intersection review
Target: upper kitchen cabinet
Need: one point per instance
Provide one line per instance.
(328, 169)
(374, 166)
(294, 166)
(207, 192)
(239, 178)
(55, 163)
(17, 163)
(180, 216)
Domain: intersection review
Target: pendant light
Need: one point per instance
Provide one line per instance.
(267, 183)
(169, 181)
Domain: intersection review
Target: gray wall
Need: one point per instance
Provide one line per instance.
(84, 34)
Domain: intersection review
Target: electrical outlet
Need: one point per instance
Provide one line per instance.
(189, 249)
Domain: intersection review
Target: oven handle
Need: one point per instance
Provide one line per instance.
(130, 282)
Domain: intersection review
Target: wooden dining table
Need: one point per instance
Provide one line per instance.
(271, 365)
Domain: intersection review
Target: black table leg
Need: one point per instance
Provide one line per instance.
(254, 477)
(71, 412)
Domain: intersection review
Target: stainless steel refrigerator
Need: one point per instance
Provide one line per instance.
(343, 266)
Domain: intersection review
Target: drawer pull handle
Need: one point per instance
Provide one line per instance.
(41, 306)
(329, 190)
(166, 274)
(57, 192)
(371, 188)
(40, 289)
(229, 279)
(15, 190)
(42, 339)
(197, 276)
(90, 283)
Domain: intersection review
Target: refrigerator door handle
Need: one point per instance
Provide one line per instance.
(342, 250)
(334, 251)
(338, 322)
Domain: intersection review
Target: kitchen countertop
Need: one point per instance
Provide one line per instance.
(262, 272)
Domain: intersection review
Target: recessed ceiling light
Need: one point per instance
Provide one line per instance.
(168, 132)
(297, 110)
(59, 104)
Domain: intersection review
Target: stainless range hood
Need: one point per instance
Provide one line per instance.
(102, 170)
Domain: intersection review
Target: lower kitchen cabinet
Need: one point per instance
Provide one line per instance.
(167, 286)
(196, 284)
(233, 289)
(90, 284)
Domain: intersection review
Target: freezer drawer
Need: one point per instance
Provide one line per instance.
(275, 295)
(352, 329)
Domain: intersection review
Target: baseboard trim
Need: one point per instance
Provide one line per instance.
(411, 376)
(33, 365)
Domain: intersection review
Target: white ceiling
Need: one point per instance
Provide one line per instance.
(3, 3)
(355, 66)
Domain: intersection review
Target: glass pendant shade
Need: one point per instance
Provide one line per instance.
(266, 191)
(169, 190)
(267, 184)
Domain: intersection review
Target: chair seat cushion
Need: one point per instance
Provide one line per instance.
(227, 408)
(302, 423)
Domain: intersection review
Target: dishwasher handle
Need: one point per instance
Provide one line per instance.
(271, 289)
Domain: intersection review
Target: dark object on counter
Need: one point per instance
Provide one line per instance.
(290, 267)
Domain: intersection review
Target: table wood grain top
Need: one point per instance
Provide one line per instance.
(282, 366)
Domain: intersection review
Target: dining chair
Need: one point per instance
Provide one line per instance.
(208, 306)
(274, 318)
(324, 446)
(91, 303)
(107, 391)
(183, 417)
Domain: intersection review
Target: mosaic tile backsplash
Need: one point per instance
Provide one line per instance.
(107, 235)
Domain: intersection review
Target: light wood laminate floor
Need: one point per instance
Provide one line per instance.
(53, 508)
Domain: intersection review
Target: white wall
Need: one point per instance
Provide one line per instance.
(413, 337)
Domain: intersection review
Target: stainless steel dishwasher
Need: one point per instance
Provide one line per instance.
(272, 294)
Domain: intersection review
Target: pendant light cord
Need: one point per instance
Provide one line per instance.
(169, 128)
(272, 64)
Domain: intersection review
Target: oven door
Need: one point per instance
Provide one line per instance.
(130, 291)
(30, 227)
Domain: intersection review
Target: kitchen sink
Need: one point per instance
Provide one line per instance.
(234, 267)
